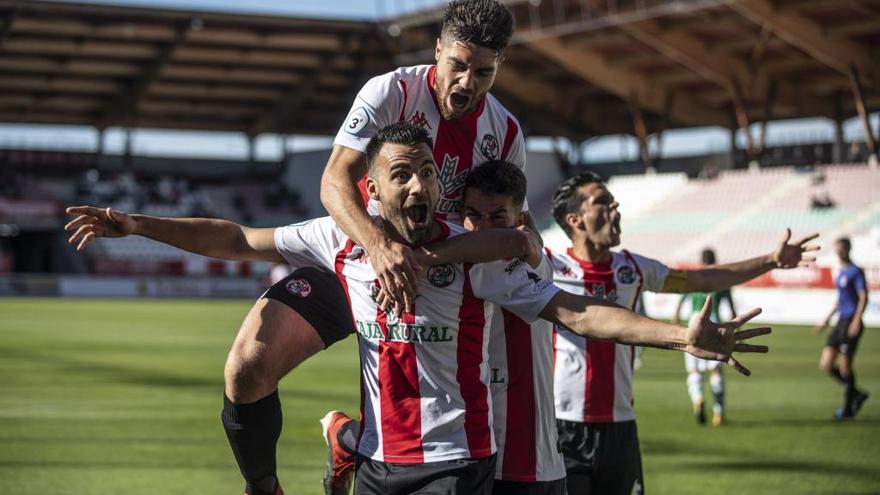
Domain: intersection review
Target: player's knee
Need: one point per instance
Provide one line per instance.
(246, 374)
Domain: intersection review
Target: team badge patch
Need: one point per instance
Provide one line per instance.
(489, 147)
(441, 275)
(299, 287)
(626, 275)
(357, 121)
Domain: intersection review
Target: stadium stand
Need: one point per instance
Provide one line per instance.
(742, 212)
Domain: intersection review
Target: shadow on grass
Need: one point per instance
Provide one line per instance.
(131, 375)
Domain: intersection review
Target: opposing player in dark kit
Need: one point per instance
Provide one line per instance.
(839, 352)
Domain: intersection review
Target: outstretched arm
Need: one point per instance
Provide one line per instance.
(600, 319)
(394, 263)
(206, 236)
(718, 277)
(484, 246)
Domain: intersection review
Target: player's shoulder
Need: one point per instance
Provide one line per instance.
(394, 82)
(625, 256)
(322, 225)
(560, 260)
(406, 74)
(499, 112)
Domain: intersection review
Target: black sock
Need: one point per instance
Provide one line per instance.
(835, 373)
(253, 430)
(850, 391)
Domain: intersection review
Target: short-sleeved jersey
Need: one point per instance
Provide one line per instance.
(521, 363)
(850, 281)
(424, 377)
(407, 94)
(698, 299)
(593, 378)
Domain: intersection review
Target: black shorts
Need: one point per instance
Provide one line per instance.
(601, 458)
(839, 338)
(318, 296)
(556, 487)
(458, 477)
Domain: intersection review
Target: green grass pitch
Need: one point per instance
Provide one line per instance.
(110, 397)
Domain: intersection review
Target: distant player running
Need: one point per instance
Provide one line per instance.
(593, 378)
(839, 353)
(696, 367)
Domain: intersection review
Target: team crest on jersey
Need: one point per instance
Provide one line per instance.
(489, 147)
(599, 290)
(418, 119)
(441, 275)
(299, 287)
(626, 275)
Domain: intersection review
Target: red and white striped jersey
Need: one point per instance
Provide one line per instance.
(521, 363)
(407, 94)
(593, 378)
(425, 377)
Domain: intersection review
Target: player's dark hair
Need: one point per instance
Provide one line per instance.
(485, 23)
(396, 133)
(708, 256)
(498, 177)
(847, 244)
(567, 198)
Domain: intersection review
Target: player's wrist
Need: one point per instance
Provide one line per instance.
(138, 224)
(677, 338)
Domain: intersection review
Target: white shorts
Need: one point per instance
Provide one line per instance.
(693, 364)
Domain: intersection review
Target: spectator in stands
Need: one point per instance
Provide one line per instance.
(820, 198)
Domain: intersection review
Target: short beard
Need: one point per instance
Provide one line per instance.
(414, 237)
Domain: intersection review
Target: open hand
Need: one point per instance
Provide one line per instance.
(718, 341)
(794, 254)
(93, 222)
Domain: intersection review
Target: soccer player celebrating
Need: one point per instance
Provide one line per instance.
(520, 359)
(696, 367)
(840, 349)
(451, 101)
(593, 378)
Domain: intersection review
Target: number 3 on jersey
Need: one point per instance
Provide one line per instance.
(357, 121)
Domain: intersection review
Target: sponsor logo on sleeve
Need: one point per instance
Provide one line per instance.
(489, 147)
(357, 121)
(299, 287)
(513, 265)
(441, 275)
(626, 275)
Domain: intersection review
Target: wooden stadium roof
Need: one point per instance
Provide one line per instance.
(592, 67)
(576, 68)
(120, 66)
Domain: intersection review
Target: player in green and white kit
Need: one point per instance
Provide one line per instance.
(697, 367)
